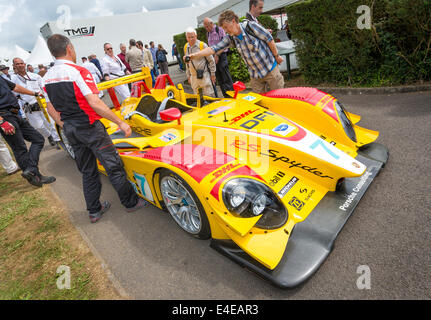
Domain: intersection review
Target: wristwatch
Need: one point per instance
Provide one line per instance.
(36, 94)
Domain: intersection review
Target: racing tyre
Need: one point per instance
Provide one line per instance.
(64, 143)
(183, 205)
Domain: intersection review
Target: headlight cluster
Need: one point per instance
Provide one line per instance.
(250, 198)
(347, 124)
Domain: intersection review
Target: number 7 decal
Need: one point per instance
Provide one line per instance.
(321, 143)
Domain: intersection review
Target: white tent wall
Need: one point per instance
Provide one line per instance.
(157, 26)
(40, 54)
(241, 7)
(18, 52)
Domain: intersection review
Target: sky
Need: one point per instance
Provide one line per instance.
(21, 20)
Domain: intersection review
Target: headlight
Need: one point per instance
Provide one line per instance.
(347, 124)
(250, 198)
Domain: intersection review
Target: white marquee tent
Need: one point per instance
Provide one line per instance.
(40, 54)
(18, 52)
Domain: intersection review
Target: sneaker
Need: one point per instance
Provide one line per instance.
(94, 217)
(141, 204)
(32, 178)
(47, 180)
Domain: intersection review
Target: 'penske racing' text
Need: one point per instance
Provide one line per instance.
(294, 164)
(355, 192)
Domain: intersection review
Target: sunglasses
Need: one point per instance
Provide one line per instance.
(108, 48)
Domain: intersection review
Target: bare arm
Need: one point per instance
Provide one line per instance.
(54, 114)
(102, 110)
(204, 53)
(23, 90)
(274, 51)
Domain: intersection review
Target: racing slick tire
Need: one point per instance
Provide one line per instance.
(64, 143)
(183, 205)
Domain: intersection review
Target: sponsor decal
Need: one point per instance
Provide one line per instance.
(351, 197)
(249, 98)
(242, 116)
(221, 172)
(287, 187)
(80, 32)
(144, 131)
(296, 203)
(219, 110)
(256, 120)
(276, 178)
(242, 145)
(308, 195)
(294, 164)
(283, 129)
(168, 137)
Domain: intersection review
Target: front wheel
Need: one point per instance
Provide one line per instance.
(183, 205)
(64, 143)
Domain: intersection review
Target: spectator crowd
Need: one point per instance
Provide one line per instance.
(206, 64)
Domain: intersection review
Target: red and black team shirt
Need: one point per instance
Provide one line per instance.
(66, 85)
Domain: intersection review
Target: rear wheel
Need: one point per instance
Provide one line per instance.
(64, 143)
(183, 205)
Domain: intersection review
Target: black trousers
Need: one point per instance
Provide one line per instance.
(223, 76)
(90, 144)
(27, 159)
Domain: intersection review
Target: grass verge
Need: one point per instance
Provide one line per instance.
(37, 240)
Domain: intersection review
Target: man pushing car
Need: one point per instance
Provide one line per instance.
(73, 102)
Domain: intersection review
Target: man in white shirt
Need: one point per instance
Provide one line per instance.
(29, 105)
(113, 68)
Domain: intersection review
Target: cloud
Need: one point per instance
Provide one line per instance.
(6, 11)
(21, 20)
(99, 9)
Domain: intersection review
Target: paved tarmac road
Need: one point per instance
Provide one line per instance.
(390, 230)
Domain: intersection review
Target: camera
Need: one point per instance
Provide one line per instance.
(200, 73)
(187, 59)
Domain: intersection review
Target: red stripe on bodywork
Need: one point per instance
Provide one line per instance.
(197, 161)
(297, 137)
(329, 109)
(243, 171)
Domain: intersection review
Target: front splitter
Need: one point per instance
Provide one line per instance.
(312, 240)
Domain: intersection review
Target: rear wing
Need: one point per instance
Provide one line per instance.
(144, 75)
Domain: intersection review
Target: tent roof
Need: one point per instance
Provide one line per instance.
(40, 53)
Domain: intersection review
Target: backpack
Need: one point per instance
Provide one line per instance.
(201, 47)
(217, 31)
(247, 30)
(160, 56)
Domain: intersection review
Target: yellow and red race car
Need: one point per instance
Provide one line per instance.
(270, 178)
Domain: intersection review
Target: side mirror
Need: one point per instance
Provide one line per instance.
(237, 87)
(171, 115)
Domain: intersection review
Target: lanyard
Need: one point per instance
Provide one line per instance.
(24, 79)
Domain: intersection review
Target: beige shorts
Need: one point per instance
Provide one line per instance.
(272, 81)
